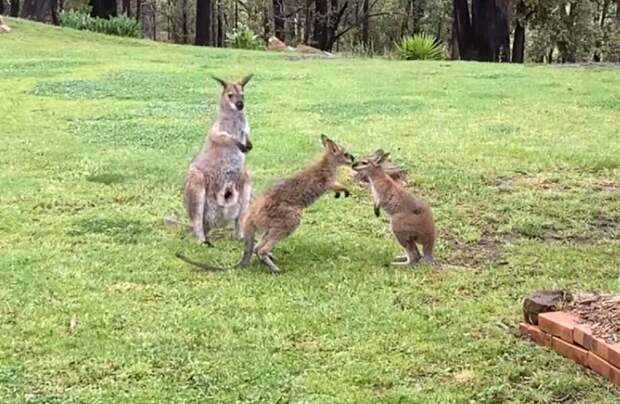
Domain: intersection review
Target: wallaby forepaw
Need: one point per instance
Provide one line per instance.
(347, 193)
(337, 195)
(248, 146)
(377, 211)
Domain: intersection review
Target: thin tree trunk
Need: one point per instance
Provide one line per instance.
(278, 19)
(203, 22)
(518, 46)
(220, 26)
(184, 22)
(365, 25)
(14, 12)
(138, 10)
(308, 22)
(126, 7)
(2, 7)
(618, 12)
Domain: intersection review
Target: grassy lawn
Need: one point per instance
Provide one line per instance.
(520, 163)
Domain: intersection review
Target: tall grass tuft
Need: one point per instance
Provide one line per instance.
(119, 26)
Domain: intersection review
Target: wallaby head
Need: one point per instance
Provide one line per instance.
(232, 93)
(372, 163)
(335, 152)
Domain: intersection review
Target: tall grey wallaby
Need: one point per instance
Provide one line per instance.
(277, 213)
(217, 184)
(411, 217)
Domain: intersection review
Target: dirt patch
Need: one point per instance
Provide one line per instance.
(553, 182)
(602, 313)
(489, 250)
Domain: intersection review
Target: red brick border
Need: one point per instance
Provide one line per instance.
(563, 333)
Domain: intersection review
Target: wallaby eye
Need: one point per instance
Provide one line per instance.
(230, 95)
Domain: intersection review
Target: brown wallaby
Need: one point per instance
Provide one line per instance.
(217, 184)
(277, 213)
(411, 217)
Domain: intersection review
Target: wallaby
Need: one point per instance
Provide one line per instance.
(411, 217)
(277, 213)
(217, 184)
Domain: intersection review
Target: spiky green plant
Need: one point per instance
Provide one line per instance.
(419, 47)
(244, 38)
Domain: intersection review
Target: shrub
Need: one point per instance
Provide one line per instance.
(244, 38)
(419, 47)
(119, 26)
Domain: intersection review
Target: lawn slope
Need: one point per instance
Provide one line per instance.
(521, 165)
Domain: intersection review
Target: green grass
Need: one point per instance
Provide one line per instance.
(520, 163)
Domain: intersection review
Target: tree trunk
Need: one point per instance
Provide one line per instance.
(40, 10)
(14, 12)
(203, 22)
(220, 26)
(463, 29)
(278, 19)
(138, 10)
(365, 25)
(618, 12)
(103, 8)
(518, 46)
(2, 7)
(184, 22)
(308, 18)
(126, 7)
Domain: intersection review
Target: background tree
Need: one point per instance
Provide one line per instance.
(203, 22)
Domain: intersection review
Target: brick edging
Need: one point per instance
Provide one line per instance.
(563, 333)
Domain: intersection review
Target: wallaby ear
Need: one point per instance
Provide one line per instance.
(245, 80)
(324, 140)
(222, 82)
(383, 157)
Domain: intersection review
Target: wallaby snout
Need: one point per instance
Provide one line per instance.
(239, 105)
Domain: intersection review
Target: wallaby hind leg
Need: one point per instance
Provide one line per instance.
(271, 238)
(195, 199)
(413, 256)
(427, 249)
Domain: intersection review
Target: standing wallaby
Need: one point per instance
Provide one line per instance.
(217, 184)
(411, 217)
(278, 212)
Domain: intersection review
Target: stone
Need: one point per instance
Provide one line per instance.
(542, 302)
(274, 44)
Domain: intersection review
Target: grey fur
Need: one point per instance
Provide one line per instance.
(217, 185)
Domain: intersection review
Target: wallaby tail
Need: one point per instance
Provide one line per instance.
(200, 265)
(173, 222)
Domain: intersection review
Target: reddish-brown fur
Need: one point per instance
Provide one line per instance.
(277, 213)
(411, 217)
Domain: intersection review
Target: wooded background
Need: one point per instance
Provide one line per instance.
(550, 31)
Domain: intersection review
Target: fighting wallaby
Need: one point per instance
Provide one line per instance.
(217, 184)
(277, 213)
(411, 217)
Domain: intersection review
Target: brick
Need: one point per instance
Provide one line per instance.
(535, 333)
(604, 368)
(558, 324)
(609, 352)
(570, 351)
(582, 336)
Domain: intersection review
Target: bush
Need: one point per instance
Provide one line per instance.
(244, 38)
(419, 47)
(119, 26)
